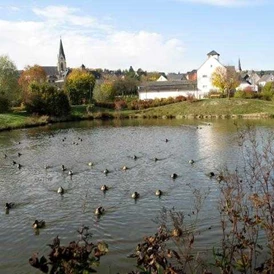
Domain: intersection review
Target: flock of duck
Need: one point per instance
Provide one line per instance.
(99, 210)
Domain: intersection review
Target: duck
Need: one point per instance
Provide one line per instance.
(124, 168)
(9, 205)
(173, 175)
(99, 210)
(90, 164)
(155, 159)
(38, 224)
(5, 156)
(166, 140)
(191, 161)
(134, 157)
(106, 171)
(211, 174)
(104, 188)
(63, 168)
(135, 195)
(14, 163)
(158, 192)
(19, 154)
(70, 172)
(19, 166)
(60, 190)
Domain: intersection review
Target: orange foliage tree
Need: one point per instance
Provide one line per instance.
(31, 74)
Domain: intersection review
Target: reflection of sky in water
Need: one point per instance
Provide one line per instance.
(109, 146)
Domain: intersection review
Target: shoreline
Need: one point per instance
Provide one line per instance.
(32, 122)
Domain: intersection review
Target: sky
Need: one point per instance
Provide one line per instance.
(154, 35)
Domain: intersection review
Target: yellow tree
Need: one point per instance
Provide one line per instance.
(225, 78)
(79, 86)
(31, 74)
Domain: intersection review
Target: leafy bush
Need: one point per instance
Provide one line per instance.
(45, 99)
(121, 104)
(104, 92)
(77, 257)
(268, 91)
(4, 104)
(109, 105)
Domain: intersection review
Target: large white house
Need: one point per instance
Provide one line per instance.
(205, 71)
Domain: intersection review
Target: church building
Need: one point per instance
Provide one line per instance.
(57, 74)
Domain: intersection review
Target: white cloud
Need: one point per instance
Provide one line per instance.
(86, 40)
(226, 3)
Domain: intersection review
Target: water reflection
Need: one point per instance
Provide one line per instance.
(108, 145)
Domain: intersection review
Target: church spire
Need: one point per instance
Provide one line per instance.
(61, 65)
(61, 50)
(239, 65)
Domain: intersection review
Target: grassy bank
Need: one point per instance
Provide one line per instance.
(212, 108)
(236, 108)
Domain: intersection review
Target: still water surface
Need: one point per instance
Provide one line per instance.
(109, 145)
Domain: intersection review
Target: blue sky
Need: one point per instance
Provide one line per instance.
(155, 35)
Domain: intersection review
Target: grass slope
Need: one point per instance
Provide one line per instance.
(215, 107)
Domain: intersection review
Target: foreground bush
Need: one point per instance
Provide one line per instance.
(45, 99)
(78, 257)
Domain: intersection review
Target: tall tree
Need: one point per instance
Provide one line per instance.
(79, 86)
(104, 92)
(8, 82)
(31, 74)
(126, 86)
(226, 79)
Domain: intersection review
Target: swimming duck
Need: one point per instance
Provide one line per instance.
(63, 168)
(70, 173)
(166, 140)
(135, 195)
(134, 157)
(104, 188)
(60, 190)
(38, 224)
(173, 175)
(99, 210)
(211, 174)
(124, 168)
(19, 166)
(155, 159)
(5, 156)
(9, 205)
(106, 171)
(191, 161)
(90, 164)
(19, 154)
(14, 163)
(158, 192)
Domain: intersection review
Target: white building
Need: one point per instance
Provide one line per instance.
(205, 71)
(166, 89)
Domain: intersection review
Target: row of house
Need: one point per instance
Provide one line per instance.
(195, 83)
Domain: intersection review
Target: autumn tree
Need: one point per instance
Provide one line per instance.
(46, 99)
(226, 79)
(31, 74)
(79, 86)
(126, 86)
(9, 91)
(104, 92)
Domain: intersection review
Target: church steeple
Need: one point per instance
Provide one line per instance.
(239, 65)
(61, 66)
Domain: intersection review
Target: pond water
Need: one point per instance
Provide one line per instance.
(109, 145)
